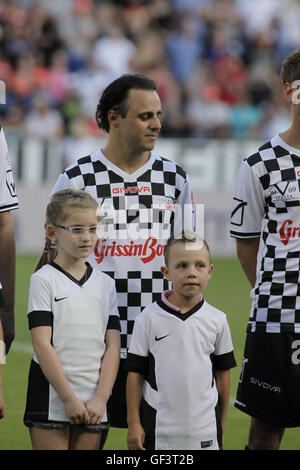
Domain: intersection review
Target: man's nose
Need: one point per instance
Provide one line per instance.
(155, 123)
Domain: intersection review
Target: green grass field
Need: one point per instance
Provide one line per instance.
(228, 290)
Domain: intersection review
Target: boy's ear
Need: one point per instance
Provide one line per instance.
(164, 270)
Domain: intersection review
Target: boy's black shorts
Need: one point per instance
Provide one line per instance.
(269, 385)
(116, 405)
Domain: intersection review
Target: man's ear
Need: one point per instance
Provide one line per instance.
(113, 117)
(291, 92)
(164, 270)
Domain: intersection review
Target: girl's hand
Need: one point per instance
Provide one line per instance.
(96, 408)
(76, 411)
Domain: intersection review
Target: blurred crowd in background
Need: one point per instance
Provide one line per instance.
(216, 63)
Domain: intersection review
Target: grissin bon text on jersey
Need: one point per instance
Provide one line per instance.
(147, 250)
(287, 231)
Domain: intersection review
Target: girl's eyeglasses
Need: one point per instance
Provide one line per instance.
(76, 231)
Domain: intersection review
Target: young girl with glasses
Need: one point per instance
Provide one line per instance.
(75, 328)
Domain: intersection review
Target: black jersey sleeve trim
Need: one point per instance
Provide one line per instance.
(40, 318)
(244, 235)
(136, 363)
(114, 323)
(9, 207)
(223, 361)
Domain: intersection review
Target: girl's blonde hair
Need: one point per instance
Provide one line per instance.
(61, 204)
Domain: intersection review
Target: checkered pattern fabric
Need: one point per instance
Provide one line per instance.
(266, 205)
(8, 195)
(138, 212)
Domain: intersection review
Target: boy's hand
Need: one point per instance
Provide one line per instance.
(135, 437)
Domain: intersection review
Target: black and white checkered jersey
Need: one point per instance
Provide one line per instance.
(266, 204)
(138, 212)
(8, 195)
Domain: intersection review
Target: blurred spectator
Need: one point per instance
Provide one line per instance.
(244, 117)
(208, 115)
(79, 142)
(203, 54)
(89, 84)
(43, 122)
(113, 53)
(287, 31)
(28, 77)
(184, 49)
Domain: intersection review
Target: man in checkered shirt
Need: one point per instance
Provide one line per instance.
(265, 221)
(142, 197)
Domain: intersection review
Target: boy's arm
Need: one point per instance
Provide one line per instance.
(108, 373)
(53, 371)
(223, 385)
(134, 390)
(2, 350)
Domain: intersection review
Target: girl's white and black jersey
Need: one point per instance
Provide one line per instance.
(79, 313)
(177, 355)
(138, 213)
(266, 204)
(8, 195)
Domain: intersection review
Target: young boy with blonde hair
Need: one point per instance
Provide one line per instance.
(179, 359)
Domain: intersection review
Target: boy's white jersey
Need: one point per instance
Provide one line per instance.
(138, 214)
(177, 354)
(8, 195)
(79, 313)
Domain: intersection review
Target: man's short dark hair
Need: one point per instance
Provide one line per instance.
(290, 70)
(116, 93)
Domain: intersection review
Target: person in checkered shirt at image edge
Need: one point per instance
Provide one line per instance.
(2, 355)
(266, 224)
(128, 174)
(8, 202)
